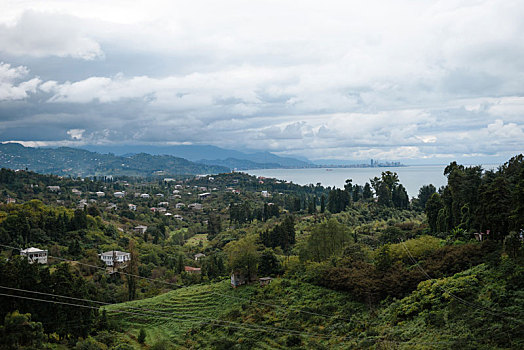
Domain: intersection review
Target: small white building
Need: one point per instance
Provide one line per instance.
(195, 206)
(140, 229)
(199, 256)
(112, 256)
(10, 200)
(35, 255)
(132, 207)
(100, 194)
(53, 188)
(163, 204)
(204, 195)
(76, 192)
(144, 195)
(119, 194)
(179, 205)
(265, 194)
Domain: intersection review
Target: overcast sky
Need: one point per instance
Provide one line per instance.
(401, 80)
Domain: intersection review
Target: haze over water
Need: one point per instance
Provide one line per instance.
(411, 177)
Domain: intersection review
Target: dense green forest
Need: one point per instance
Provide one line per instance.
(77, 162)
(363, 266)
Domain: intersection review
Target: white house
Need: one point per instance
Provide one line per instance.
(140, 229)
(195, 206)
(112, 206)
(53, 188)
(119, 194)
(265, 194)
(10, 200)
(199, 256)
(163, 204)
(132, 207)
(100, 194)
(35, 255)
(76, 192)
(144, 195)
(204, 195)
(113, 256)
(180, 205)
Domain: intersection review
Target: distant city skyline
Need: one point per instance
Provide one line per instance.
(410, 81)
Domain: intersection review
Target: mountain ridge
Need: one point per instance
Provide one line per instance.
(209, 153)
(80, 162)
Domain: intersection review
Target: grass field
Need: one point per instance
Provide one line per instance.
(196, 239)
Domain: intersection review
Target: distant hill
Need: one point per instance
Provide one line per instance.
(239, 164)
(78, 162)
(209, 153)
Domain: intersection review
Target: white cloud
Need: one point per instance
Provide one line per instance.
(40, 35)
(10, 87)
(336, 78)
(76, 134)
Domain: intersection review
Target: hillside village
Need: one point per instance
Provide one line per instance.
(236, 261)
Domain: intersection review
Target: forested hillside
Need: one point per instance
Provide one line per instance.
(363, 266)
(77, 162)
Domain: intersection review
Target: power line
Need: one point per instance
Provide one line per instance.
(255, 328)
(180, 286)
(465, 302)
(166, 313)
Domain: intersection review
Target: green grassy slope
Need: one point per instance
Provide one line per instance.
(186, 316)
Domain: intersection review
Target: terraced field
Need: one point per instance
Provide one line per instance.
(171, 315)
(190, 317)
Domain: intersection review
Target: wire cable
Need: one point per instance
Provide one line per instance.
(180, 286)
(167, 314)
(465, 302)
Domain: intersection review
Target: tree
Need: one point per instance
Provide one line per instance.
(512, 245)
(338, 200)
(400, 197)
(366, 192)
(142, 336)
(214, 225)
(424, 194)
(18, 330)
(243, 255)
(495, 207)
(269, 265)
(326, 240)
(322, 204)
(348, 187)
(433, 207)
(383, 259)
(312, 206)
(132, 270)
